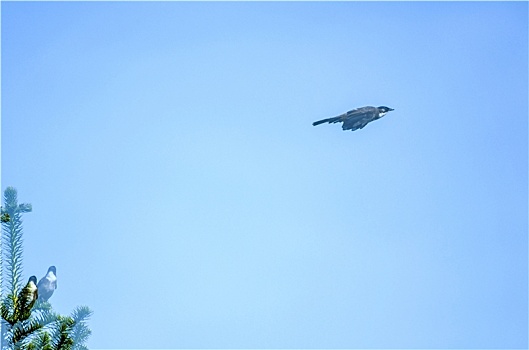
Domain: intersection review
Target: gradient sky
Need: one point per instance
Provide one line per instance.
(180, 189)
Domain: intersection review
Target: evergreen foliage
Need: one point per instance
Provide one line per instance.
(30, 324)
(12, 239)
(80, 331)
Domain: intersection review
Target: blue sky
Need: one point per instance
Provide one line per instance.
(180, 189)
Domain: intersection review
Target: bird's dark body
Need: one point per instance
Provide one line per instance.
(357, 118)
(48, 284)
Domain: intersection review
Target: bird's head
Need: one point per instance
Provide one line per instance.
(385, 109)
(53, 269)
(382, 110)
(33, 279)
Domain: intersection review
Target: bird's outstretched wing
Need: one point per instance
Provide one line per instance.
(357, 122)
(358, 118)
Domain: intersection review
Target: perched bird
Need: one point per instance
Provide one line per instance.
(357, 118)
(48, 284)
(26, 299)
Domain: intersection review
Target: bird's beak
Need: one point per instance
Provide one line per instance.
(391, 109)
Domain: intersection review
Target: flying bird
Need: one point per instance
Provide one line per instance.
(27, 298)
(48, 284)
(357, 118)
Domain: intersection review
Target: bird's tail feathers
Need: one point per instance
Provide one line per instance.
(328, 120)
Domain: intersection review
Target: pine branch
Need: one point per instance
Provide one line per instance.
(61, 336)
(7, 310)
(41, 342)
(80, 331)
(25, 332)
(4, 217)
(12, 239)
(21, 330)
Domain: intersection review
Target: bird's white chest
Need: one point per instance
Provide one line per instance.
(51, 280)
